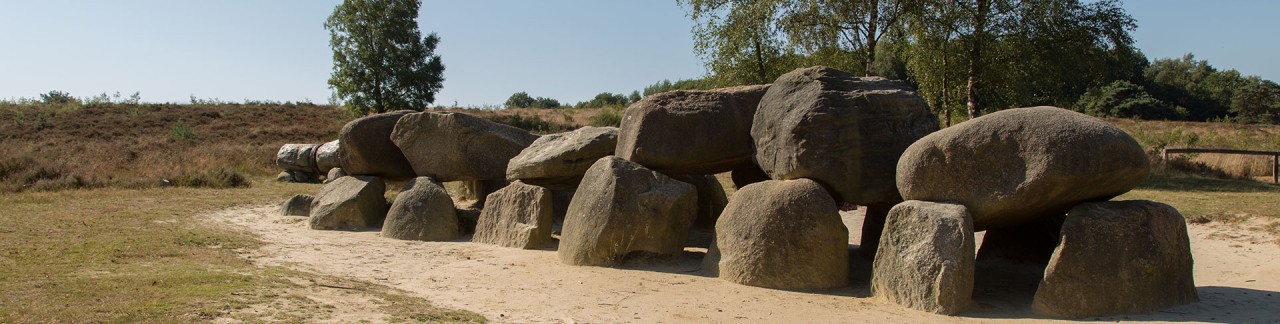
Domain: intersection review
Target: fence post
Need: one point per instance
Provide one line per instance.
(1275, 169)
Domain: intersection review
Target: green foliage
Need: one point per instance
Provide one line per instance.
(181, 131)
(381, 61)
(1257, 102)
(1210, 94)
(739, 42)
(605, 99)
(523, 100)
(609, 116)
(1126, 100)
(1194, 84)
(56, 97)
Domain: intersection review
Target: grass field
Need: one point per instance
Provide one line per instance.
(129, 255)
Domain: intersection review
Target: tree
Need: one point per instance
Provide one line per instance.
(57, 97)
(520, 100)
(1258, 102)
(853, 26)
(381, 61)
(1017, 53)
(1125, 99)
(1205, 91)
(739, 40)
(523, 100)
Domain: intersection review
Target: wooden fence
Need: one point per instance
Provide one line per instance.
(1275, 156)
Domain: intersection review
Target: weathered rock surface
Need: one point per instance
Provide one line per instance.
(334, 174)
(1016, 165)
(365, 147)
(840, 130)
(327, 156)
(711, 199)
(457, 146)
(558, 161)
(297, 157)
(422, 211)
(1123, 257)
(926, 259)
(783, 234)
(298, 205)
(518, 216)
(349, 203)
(622, 209)
(691, 131)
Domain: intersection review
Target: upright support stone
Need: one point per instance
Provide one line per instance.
(926, 257)
(349, 203)
(782, 234)
(622, 209)
(422, 211)
(518, 216)
(1122, 257)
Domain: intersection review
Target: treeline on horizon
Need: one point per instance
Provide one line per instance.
(965, 57)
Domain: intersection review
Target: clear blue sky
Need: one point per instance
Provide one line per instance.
(569, 50)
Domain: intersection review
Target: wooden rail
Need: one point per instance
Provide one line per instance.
(1275, 156)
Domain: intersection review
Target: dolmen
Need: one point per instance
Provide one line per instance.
(1038, 181)
(1021, 175)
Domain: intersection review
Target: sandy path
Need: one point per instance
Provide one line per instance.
(1238, 277)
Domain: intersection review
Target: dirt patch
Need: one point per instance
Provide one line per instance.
(1238, 280)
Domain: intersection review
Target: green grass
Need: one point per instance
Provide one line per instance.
(125, 255)
(1213, 200)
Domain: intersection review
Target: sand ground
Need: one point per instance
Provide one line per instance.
(1237, 271)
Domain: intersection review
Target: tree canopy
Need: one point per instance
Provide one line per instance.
(381, 61)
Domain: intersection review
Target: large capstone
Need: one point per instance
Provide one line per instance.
(327, 156)
(691, 131)
(458, 146)
(350, 203)
(1123, 257)
(365, 147)
(422, 211)
(622, 209)
(297, 157)
(840, 130)
(926, 259)
(518, 216)
(782, 234)
(1018, 165)
(558, 161)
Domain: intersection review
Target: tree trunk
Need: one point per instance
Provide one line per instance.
(946, 81)
(975, 57)
(760, 66)
(872, 20)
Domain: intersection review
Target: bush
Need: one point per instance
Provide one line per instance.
(523, 100)
(1126, 100)
(217, 178)
(609, 116)
(533, 124)
(181, 131)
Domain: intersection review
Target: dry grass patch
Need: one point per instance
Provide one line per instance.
(1242, 203)
(129, 255)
